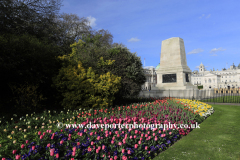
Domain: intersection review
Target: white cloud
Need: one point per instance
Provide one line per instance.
(208, 16)
(91, 21)
(217, 49)
(133, 40)
(213, 55)
(202, 16)
(195, 51)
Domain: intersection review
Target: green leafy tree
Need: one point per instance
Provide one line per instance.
(26, 60)
(128, 66)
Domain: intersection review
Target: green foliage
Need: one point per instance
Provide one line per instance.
(26, 97)
(200, 87)
(81, 88)
(26, 59)
(128, 66)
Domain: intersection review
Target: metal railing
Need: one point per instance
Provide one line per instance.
(211, 95)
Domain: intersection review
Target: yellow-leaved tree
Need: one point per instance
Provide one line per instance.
(81, 88)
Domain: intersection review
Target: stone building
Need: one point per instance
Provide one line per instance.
(226, 78)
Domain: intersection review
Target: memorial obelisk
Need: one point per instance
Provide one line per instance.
(173, 72)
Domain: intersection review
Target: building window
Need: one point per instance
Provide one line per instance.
(206, 81)
(209, 81)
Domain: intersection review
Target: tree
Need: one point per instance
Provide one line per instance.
(129, 67)
(81, 88)
(26, 60)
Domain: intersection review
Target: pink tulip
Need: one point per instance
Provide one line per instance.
(61, 142)
(106, 135)
(72, 158)
(118, 135)
(41, 137)
(115, 157)
(78, 143)
(148, 132)
(97, 151)
(124, 157)
(48, 145)
(110, 133)
(73, 153)
(142, 135)
(80, 134)
(99, 147)
(113, 138)
(92, 143)
(52, 152)
(139, 142)
(130, 137)
(146, 148)
(22, 146)
(18, 156)
(135, 146)
(89, 149)
(123, 150)
(112, 142)
(3, 158)
(103, 147)
(91, 133)
(44, 133)
(159, 131)
(153, 134)
(61, 130)
(111, 158)
(69, 138)
(26, 141)
(14, 151)
(136, 131)
(116, 132)
(98, 138)
(39, 132)
(134, 136)
(49, 131)
(128, 152)
(74, 149)
(101, 129)
(170, 133)
(146, 135)
(141, 139)
(33, 147)
(57, 155)
(85, 130)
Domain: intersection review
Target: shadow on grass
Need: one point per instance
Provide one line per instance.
(217, 138)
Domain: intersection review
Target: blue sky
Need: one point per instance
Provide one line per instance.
(210, 29)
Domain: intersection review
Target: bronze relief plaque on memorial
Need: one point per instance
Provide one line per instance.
(169, 78)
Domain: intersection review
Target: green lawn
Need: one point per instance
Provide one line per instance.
(217, 139)
(224, 99)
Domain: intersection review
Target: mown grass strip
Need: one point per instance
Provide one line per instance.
(217, 138)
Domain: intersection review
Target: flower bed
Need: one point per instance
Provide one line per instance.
(49, 142)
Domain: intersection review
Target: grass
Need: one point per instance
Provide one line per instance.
(217, 138)
(224, 99)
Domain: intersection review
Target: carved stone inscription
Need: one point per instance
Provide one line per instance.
(169, 78)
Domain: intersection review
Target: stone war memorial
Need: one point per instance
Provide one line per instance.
(173, 72)
(173, 75)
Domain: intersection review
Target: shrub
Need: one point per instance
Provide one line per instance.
(81, 88)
